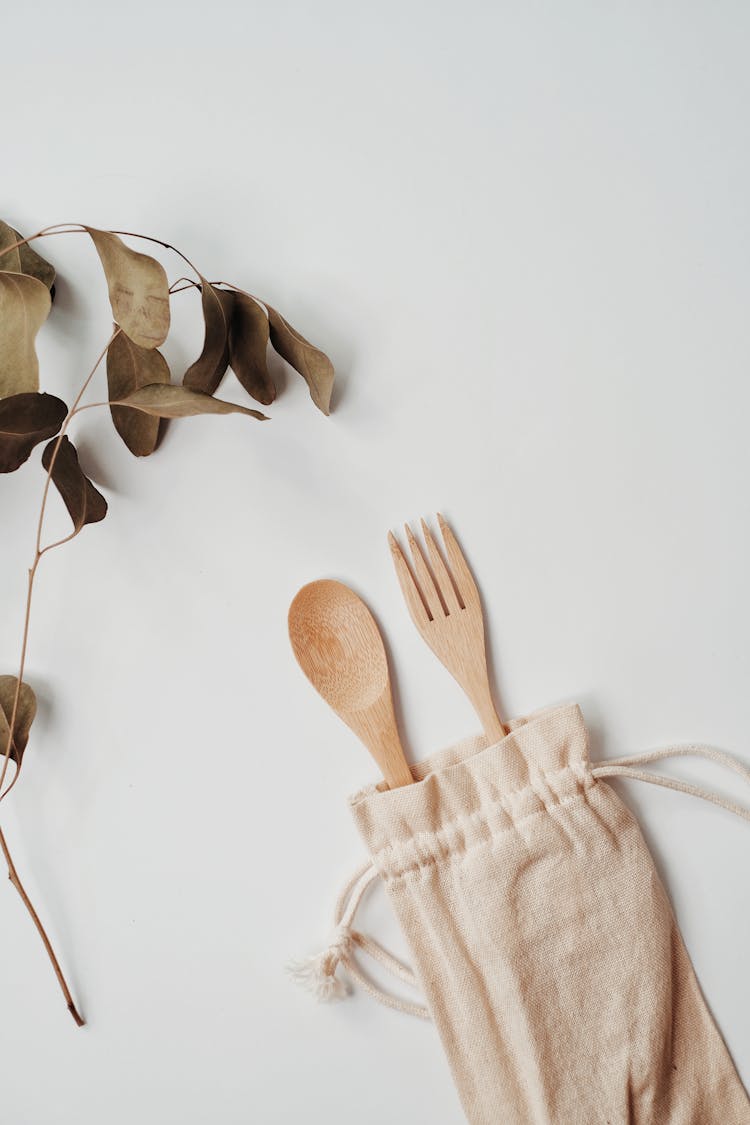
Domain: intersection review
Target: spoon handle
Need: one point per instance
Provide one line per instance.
(376, 728)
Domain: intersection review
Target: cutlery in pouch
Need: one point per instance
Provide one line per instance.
(542, 937)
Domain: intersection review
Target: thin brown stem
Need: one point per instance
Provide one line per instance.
(45, 232)
(59, 542)
(189, 284)
(39, 551)
(37, 557)
(93, 405)
(10, 784)
(17, 692)
(13, 876)
(159, 242)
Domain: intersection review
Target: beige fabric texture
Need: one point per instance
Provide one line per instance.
(544, 939)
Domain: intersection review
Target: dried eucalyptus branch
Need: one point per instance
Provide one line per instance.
(39, 551)
(141, 397)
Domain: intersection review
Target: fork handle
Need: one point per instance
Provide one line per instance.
(480, 697)
(493, 727)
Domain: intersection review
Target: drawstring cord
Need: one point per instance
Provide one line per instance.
(626, 767)
(319, 973)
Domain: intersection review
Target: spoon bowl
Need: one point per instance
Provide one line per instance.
(338, 645)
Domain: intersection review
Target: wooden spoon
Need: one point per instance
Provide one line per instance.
(339, 648)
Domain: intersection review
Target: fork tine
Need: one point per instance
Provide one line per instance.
(430, 592)
(443, 578)
(409, 588)
(465, 584)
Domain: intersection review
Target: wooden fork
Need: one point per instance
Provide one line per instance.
(445, 607)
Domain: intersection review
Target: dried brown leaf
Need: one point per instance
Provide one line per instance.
(208, 370)
(25, 713)
(130, 367)
(313, 365)
(24, 259)
(85, 503)
(24, 307)
(35, 265)
(248, 342)
(138, 289)
(10, 260)
(25, 420)
(170, 401)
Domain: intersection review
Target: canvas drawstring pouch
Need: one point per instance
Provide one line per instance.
(542, 937)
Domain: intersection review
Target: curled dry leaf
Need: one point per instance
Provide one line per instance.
(24, 307)
(36, 266)
(180, 402)
(138, 289)
(25, 420)
(85, 503)
(248, 343)
(128, 368)
(24, 259)
(25, 713)
(208, 370)
(313, 365)
(10, 260)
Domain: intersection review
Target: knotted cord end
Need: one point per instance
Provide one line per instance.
(318, 974)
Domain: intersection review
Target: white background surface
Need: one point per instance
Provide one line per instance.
(522, 233)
